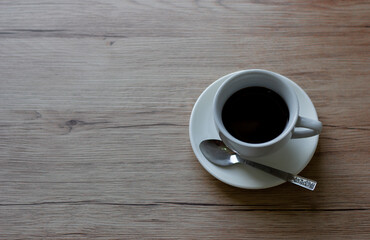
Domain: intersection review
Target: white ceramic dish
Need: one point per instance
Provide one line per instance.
(293, 157)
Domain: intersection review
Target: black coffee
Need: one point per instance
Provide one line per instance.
(255, 115)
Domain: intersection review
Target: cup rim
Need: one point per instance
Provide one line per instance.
(220, 126)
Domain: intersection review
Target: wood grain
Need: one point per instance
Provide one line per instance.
(95, 101)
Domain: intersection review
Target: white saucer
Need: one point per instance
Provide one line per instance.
(293, 157)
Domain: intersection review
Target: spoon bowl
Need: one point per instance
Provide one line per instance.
(216, 152)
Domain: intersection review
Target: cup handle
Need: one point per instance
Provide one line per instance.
(314, 127)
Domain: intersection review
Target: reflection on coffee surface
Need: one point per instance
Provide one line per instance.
(255, 115)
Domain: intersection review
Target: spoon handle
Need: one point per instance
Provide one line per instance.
(295, 179)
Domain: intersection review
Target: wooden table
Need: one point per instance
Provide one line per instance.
(95, 101)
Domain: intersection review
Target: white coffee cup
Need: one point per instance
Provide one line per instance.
(276, 83)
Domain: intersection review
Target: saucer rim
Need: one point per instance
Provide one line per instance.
(231, 183)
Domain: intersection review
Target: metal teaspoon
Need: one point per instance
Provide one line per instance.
(218, 153)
